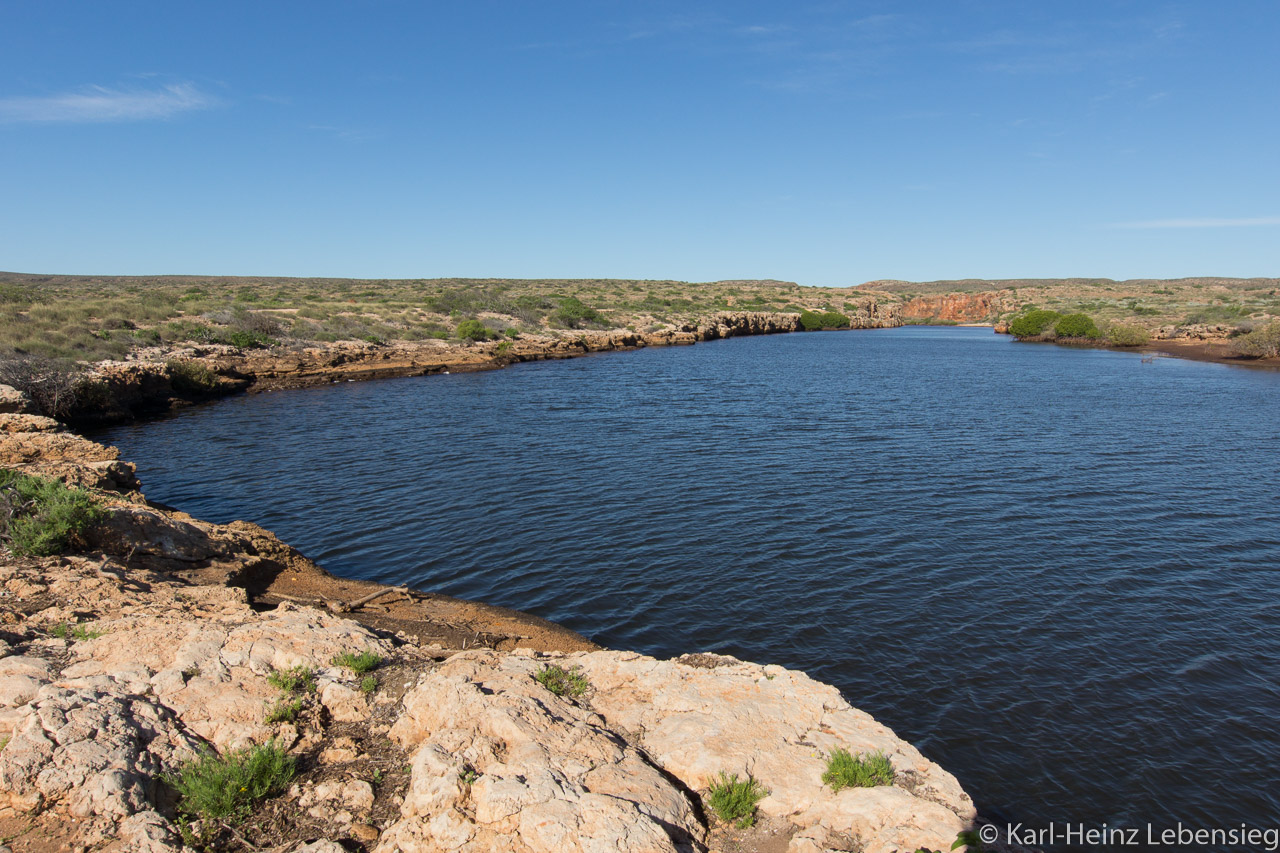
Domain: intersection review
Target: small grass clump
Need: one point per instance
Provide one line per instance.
(561, 681)
(284, 711)
(368, 684)
(295, 679)
(365, 661)
(40, 517)
(867, 770)
(734, 800)
(226, 787)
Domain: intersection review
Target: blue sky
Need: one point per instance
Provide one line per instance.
(828, 143)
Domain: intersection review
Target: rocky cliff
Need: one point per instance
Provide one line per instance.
(959, 307)
(163, 637)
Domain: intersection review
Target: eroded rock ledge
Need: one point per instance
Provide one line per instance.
(451, 749)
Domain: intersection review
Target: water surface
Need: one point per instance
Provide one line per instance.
(1052, 569)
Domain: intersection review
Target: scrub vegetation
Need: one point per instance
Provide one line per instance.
(41, 517)
(91, 318)
(225, 787)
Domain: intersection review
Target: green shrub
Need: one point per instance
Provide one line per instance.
(191, 377)
(227, 786)
(41, 517)
(1033, 323)
(573, 311)
(861, 771)
(813, 320)
(1262, 342)
(295, 679)
(1076, 326)
(363, 662)
(368, 684)
(561, 681)
(284, 711)
(473, 330)
(1125, 335)
(734, 800)
(245, 339)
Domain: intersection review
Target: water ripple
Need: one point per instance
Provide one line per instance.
(1052, 569)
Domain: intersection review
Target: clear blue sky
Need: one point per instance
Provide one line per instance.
(827, 143)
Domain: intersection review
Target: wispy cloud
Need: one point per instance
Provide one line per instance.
(1201, 223)
(100, 104)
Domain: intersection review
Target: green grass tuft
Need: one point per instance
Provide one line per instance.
(867, 770)
(295, 679)
(223, 787)
(734, 800)
(284, 711)
(368, 684)
(561, 681)
(365, 661)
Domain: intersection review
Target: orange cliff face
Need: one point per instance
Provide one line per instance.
(957, 307)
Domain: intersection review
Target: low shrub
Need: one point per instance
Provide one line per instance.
(1033, 323)
(857, 771)
(561, 681)
(191, 377)
(1126, 335)
(812, 321)
(1076, 326)
(222, 787)
(734, 800)
(246, 339)
(368, 684)
(362, 662)
(1262, 342)
(41, 517)
(572, 311)
(473, 330)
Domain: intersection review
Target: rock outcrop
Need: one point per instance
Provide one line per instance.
(959, 307)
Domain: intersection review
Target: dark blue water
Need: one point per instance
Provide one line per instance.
(1054, 570)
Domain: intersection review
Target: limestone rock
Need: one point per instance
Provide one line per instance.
(777, 725)
(13, 401)
(501, 763)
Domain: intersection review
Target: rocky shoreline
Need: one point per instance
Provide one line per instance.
(162, 636)
(144, 384)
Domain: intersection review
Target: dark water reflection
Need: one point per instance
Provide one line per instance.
(1054, 570)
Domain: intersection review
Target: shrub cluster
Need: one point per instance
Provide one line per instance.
(474, 330)
(1262, 342)
(573, 312)
(1076, 326)
(812, 321)
(41, 517)
(224, 787)
(1033, 323)
(1125, 335)
(191, 377)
